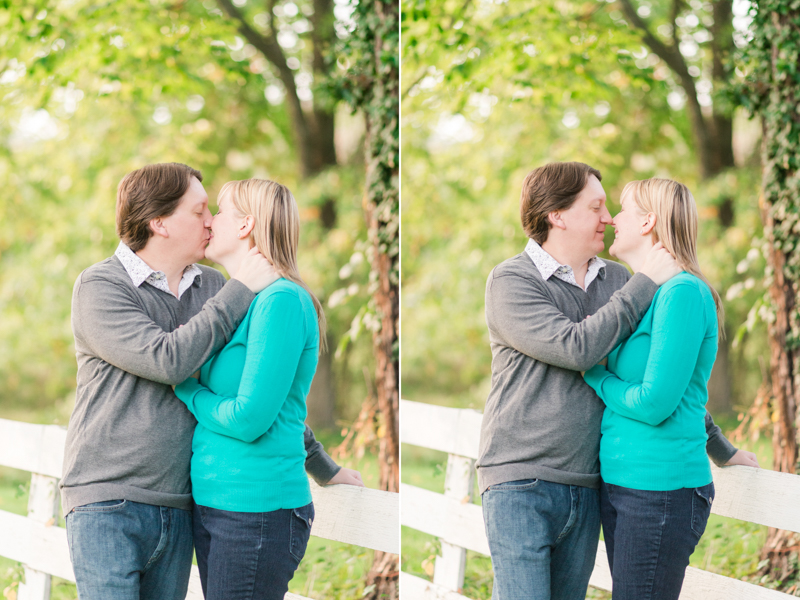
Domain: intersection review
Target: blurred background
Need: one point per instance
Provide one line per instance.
(235, 88)
(635, 88)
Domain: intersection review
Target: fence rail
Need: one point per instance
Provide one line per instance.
(748, 494)
(357, 516)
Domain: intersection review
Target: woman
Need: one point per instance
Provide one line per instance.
(656, 490)
(253, 511)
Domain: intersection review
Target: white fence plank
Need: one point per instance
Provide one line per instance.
(459, 483)
(40, 547)
(42, 507)
(33, 448)
(414, 588)
(359, 516)
(451, 430)
(757, 495)
(455, 522)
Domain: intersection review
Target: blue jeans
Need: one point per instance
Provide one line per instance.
(123, 550)
(543, 539)
(249, 556)
(650, 537)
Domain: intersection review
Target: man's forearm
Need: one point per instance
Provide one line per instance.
(718, 447)
(116, 328)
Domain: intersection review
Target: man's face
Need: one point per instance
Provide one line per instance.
(585, 221)
(188, 227)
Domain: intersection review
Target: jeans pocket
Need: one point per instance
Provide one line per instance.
(520, 485)
(105, 506)
(702, 499)
(301, 521)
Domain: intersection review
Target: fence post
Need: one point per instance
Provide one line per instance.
(42, 508)
(458, 483)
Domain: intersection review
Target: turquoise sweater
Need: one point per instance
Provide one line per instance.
(653, 431)
(250, 405)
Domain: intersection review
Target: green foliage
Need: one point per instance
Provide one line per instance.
(771, 90)
(371, 85)
(487, 98)
(91, 91)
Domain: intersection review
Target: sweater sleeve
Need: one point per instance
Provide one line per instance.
(276, 339)
(677, 334)
(318, 463)
(527, 318)
(718, 448)
(114, 325)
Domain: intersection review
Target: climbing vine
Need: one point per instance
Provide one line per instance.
(771, 91)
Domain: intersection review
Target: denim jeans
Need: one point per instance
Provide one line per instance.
(543, 539)
(650, 537)
(123, 550)
(249, 556)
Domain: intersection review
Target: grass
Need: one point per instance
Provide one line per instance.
(329, 571)
(729, 547)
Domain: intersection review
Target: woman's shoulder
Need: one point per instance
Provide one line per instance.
(283, 291)
(685, 288)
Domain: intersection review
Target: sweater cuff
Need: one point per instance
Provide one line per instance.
(320, 466)
(719, 449)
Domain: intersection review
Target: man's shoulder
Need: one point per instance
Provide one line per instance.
(109, 270)
(517, 266)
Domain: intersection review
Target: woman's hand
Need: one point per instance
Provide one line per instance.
(744, 458)
(347, 477)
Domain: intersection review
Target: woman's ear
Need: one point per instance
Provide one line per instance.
(246, 226)
(649, 223)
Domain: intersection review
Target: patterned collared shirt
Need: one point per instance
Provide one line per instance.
(140, 272)
(548, 266)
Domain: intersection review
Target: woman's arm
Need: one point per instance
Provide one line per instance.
(276, 340)
(679, 326)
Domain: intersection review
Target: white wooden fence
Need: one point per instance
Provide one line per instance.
(755, 495)
(358, 516)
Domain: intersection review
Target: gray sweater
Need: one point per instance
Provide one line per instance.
(129, 436)
(542, 421)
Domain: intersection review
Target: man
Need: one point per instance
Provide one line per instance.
(144, 320)
(553, 311)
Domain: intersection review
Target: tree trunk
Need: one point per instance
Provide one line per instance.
(378, 23)
(773, 92)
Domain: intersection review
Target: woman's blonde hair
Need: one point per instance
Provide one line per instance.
(276, 233)
(676, 225)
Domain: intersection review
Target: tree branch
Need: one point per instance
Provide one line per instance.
(672, 56)
(268, 46)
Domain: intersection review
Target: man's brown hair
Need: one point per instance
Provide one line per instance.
(149, 193)
(551, 188)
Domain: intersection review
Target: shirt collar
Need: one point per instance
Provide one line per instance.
(140, 272)
(549, 266)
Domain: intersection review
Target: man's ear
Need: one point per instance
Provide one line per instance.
(158, 228)
(555, 220)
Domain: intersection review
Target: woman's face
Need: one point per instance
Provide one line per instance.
(225, 229)
(628, 225)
